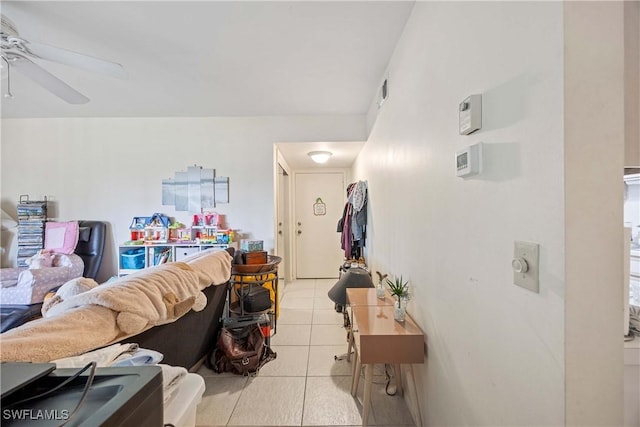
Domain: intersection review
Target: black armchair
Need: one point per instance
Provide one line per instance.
(90, 248)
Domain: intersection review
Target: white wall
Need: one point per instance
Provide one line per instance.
(594, 117)
(112, 169)
(495, 351)
(551, 79)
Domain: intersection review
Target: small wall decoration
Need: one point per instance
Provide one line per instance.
(319, 207)
(195, 190)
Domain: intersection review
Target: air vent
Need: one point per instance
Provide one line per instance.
(384, 92)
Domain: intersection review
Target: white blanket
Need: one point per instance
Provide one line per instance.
(171, 378)
(103, 357)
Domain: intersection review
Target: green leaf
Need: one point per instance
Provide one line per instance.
(398, 286)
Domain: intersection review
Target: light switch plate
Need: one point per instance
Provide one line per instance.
(530, 253)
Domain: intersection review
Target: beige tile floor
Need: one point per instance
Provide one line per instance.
(304, 385)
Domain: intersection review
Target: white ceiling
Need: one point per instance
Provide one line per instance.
(211, 58)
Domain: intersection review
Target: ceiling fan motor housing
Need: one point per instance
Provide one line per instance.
(8, 27)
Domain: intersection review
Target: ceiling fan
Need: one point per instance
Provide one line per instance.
(18, 53)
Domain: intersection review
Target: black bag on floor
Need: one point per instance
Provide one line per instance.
(241, 350)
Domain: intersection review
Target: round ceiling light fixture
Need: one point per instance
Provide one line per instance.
(319, 156)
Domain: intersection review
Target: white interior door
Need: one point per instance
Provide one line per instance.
(319, 202)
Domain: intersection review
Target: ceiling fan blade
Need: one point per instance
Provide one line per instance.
(74, 59)
(47, 80)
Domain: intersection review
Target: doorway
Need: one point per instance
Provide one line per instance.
(319, 202)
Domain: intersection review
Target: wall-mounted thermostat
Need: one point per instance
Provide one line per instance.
(470, 114)
(469, 161)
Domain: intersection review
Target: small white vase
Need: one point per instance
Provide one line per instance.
(399, 309)
(380, 290)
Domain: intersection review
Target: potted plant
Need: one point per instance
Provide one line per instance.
(399, 289)
(380, 287)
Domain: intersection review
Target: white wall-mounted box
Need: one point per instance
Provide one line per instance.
(470, 114)
(469, 161)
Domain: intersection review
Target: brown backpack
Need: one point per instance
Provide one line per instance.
(241, 350)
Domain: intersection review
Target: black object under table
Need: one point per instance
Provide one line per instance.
(14, 315)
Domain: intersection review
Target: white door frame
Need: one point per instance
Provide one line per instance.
(286, 271)
(278, 159)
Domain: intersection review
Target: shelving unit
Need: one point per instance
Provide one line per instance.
(242, 278)
(32, 216)
(133, 258)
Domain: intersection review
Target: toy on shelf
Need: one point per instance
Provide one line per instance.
(137, 229)
(184, 235)
(153, 229)
(205, 227)
(210, 219)
(208, 236)
(157, 231)
(174, 231)
(225, 236)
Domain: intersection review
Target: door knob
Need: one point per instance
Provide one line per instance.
(299, 223)
(280, 232)
(299, 231)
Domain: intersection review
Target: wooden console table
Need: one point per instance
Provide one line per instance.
(378, 338)
(357, 297)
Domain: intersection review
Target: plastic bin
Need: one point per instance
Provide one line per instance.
(132, 259)
(180, 410)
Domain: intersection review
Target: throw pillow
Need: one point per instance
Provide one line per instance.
(61, 237)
